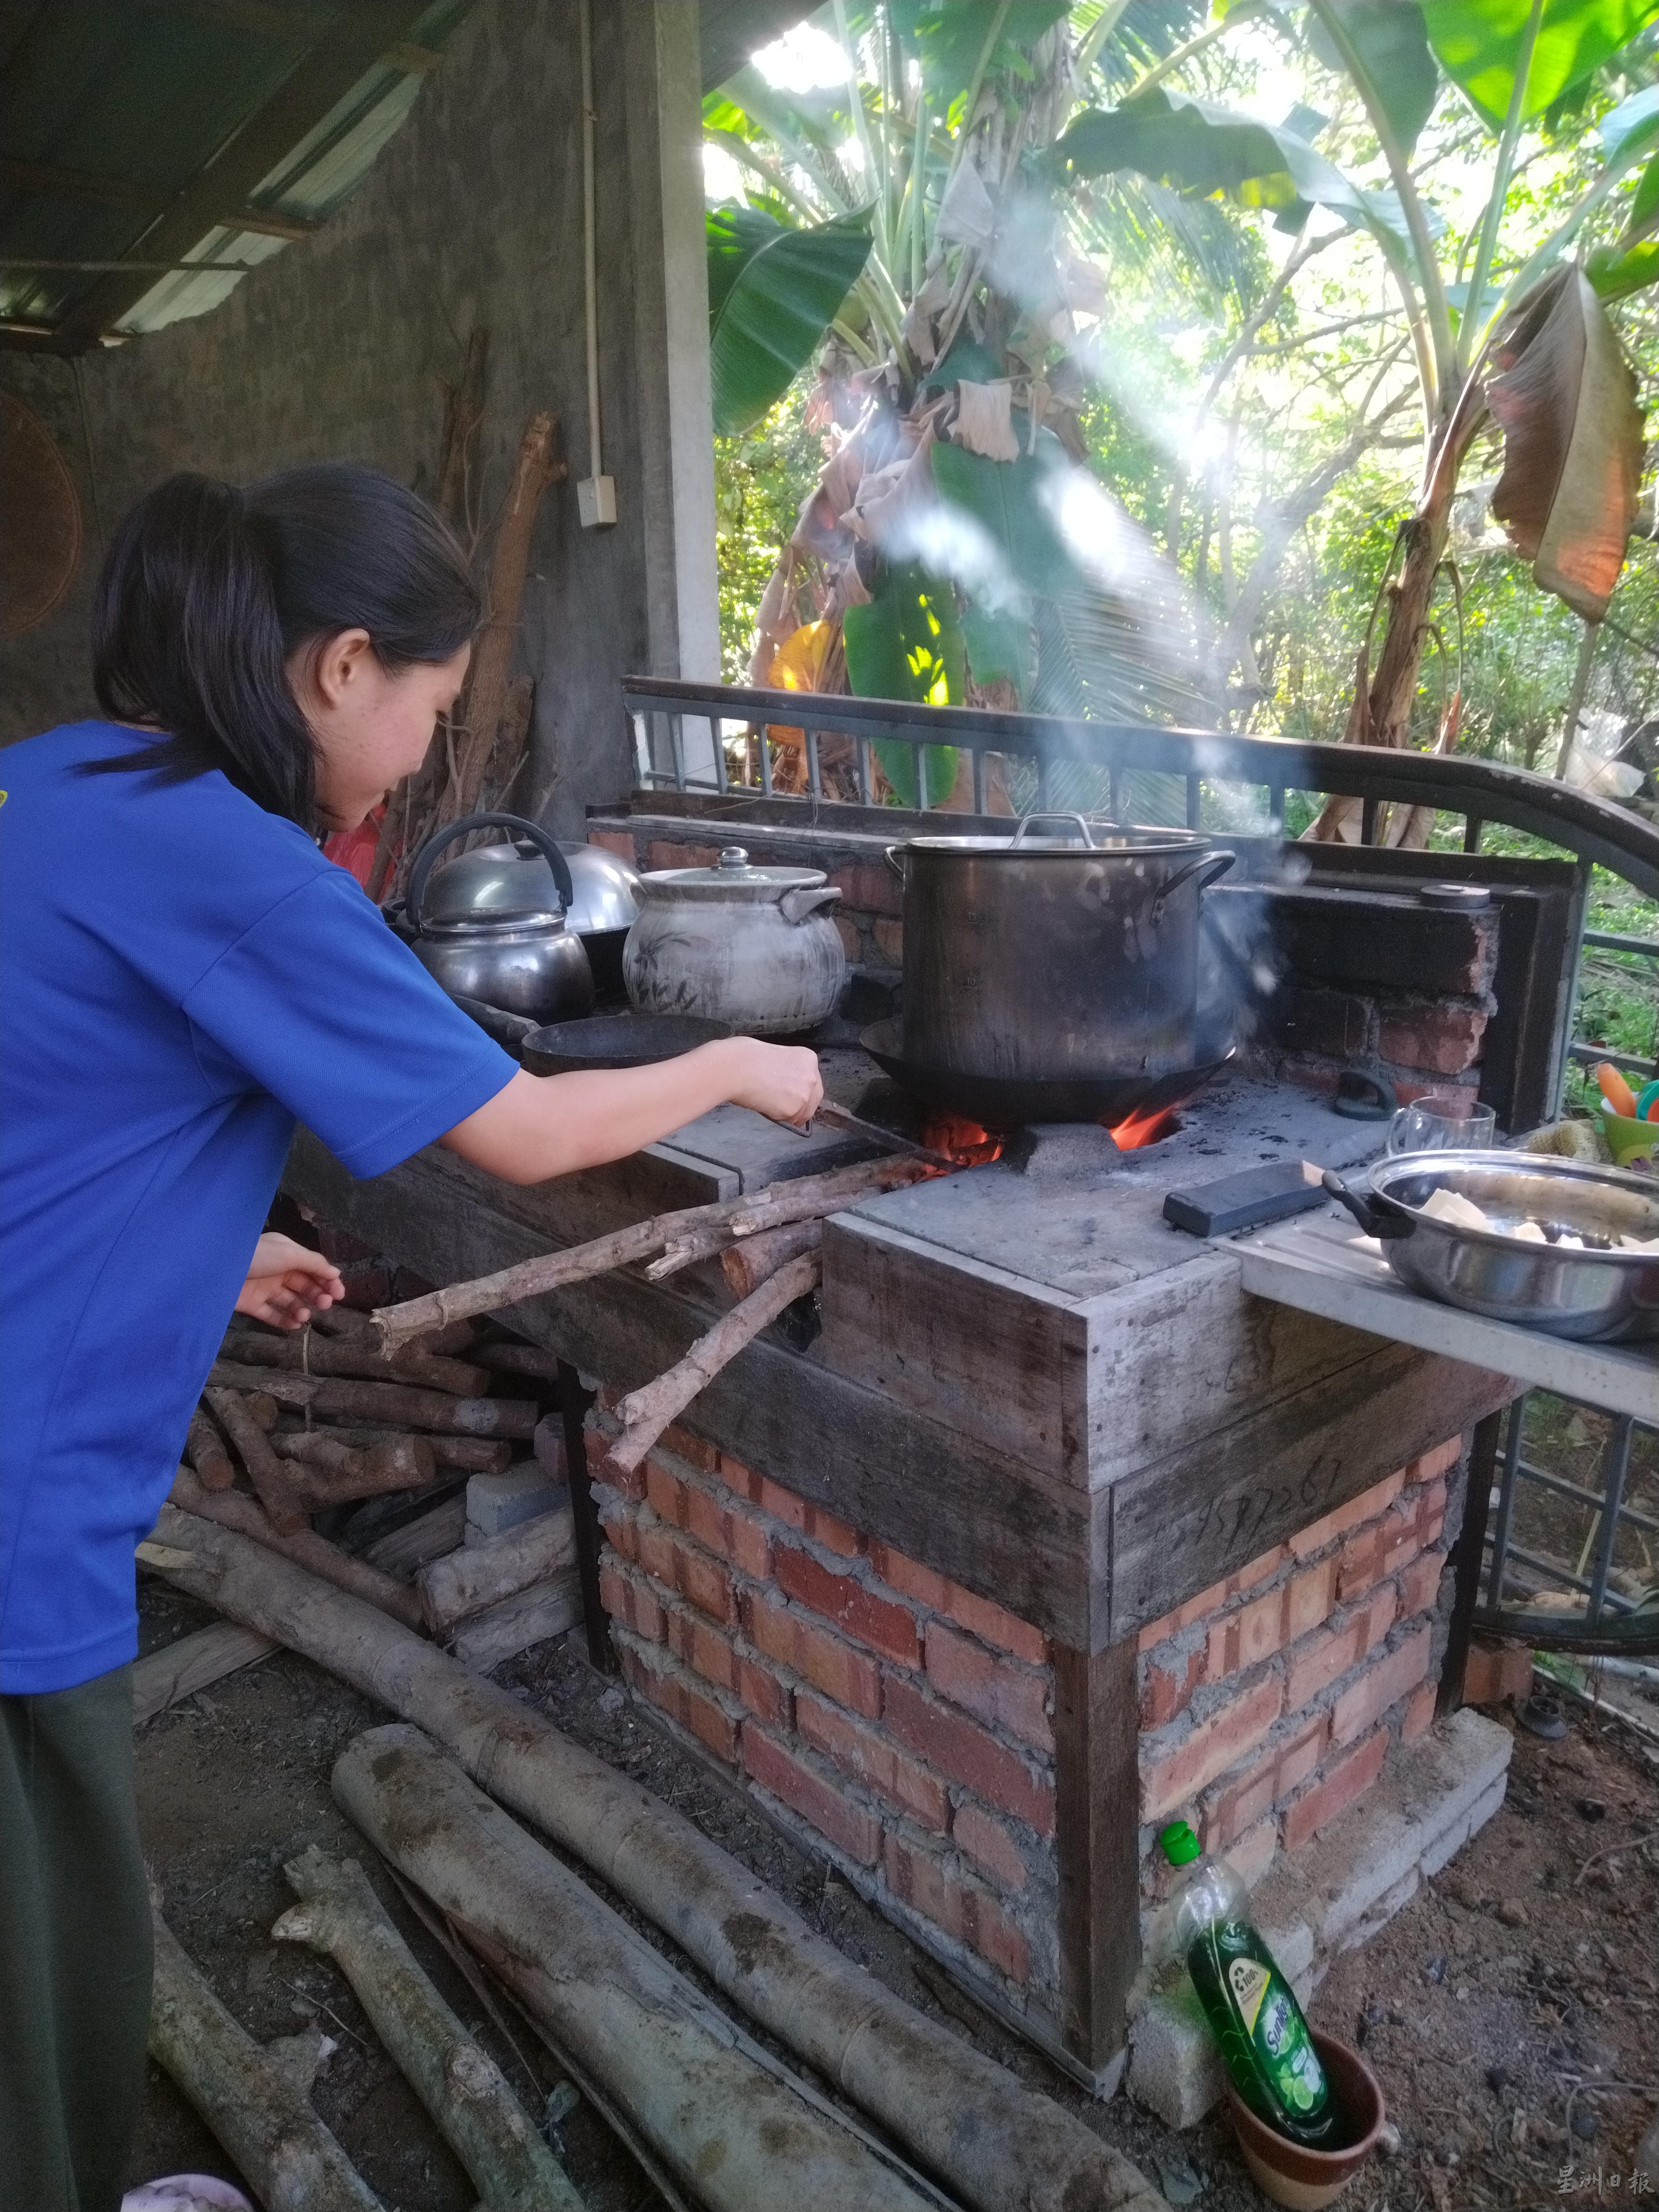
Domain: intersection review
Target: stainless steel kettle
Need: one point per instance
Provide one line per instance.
(523, 959)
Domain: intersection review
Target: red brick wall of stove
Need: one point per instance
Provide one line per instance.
(1423, 1038)
(894, 1719)
(1270, 1702)
(903, 1726)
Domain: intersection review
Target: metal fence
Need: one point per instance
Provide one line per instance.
(683, 732)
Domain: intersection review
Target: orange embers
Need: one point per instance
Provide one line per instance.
(965, 1142)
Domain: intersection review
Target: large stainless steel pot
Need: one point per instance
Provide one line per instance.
(1595, 1296)
(603, 904)
(751, 947)
(522, 959)
(1052, 960)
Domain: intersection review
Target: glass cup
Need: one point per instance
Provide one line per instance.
(1443, 1121)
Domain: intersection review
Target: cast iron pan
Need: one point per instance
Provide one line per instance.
(997, 1101)
(614, 1041)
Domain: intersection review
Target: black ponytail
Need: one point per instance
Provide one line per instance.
(206, 591)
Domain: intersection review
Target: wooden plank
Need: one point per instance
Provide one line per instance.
(400, 1551)
(1097, 1844)
(166, 1677)
(1185, 1354)
(121, 191)
(517, 1622)
(930, 1329)
(574, 1404)
(358, 39)
(1468, 1557)
(1323, 1266)
(1179, 1527)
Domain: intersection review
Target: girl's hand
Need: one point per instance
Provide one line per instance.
(287, 1283)
(782, 1081)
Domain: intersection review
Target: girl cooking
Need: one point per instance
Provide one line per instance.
(185, 978)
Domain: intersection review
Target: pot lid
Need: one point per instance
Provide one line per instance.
(511, 876)
(731, 877)
(498, 924)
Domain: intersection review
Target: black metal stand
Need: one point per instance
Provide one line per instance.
(1467, 1557)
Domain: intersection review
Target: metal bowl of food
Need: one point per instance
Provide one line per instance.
(1553, 1244)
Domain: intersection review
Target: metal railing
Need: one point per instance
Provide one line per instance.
(682, 732)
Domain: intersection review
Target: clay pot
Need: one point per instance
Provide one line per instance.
(1307, 2179)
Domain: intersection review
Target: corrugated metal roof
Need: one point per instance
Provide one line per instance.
(136, 131)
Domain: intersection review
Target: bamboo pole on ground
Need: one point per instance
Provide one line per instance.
(1001, 2146)
(283, 2150)
(646, 1413)
(463, 2088)
(809, 1198)
(738, 2136)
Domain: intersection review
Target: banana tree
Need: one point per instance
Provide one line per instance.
(1503, 329)
(954, 548)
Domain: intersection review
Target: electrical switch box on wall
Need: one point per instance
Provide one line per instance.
(596, 501)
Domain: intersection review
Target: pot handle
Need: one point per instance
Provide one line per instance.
(426, 859)
(796, 905)
(1209, 868)
(1377, 1217)
(1039, 814)
(894, 857)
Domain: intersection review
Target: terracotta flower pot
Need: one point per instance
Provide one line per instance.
(1307, 2179)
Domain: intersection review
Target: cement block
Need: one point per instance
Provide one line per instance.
(496, 1503)
(1175, 2065)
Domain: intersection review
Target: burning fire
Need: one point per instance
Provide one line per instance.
(970, 1147)
(965, 1142)
(1143, 1129)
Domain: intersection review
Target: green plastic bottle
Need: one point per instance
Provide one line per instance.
(1252, 2008)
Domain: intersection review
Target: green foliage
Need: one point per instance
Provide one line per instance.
(1389, 38)
(1480, 44)
(949, 36)
(761, 479)
(1011, 506)
(773, 291)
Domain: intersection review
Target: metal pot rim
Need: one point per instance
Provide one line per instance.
(1117, 844)
(499, 928)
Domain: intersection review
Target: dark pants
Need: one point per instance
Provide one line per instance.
(75, 1949)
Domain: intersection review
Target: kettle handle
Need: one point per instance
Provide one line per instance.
(1039, 814)
(894, 856)
(426, 859)
(796, 905)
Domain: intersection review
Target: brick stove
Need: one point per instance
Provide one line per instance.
(1049, 1534)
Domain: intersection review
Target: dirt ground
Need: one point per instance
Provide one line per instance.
(1496, 2008)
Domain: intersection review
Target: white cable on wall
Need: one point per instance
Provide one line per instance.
(596, 495)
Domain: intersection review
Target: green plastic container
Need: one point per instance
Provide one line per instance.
(1253, 2009)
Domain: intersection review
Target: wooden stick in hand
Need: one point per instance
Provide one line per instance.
(646, 1413)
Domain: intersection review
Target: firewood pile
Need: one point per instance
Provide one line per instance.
(430, 1480)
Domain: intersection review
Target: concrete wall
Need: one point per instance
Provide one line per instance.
(338, 347)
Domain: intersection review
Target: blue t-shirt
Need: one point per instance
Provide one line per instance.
(182, 976)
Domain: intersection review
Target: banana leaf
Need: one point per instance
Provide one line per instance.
(1392, 44)
(773, 291)
(948, 36)
(907, 644)
(1566, 400)
(1012, 506)
(1212, 151)
(1480, 44)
